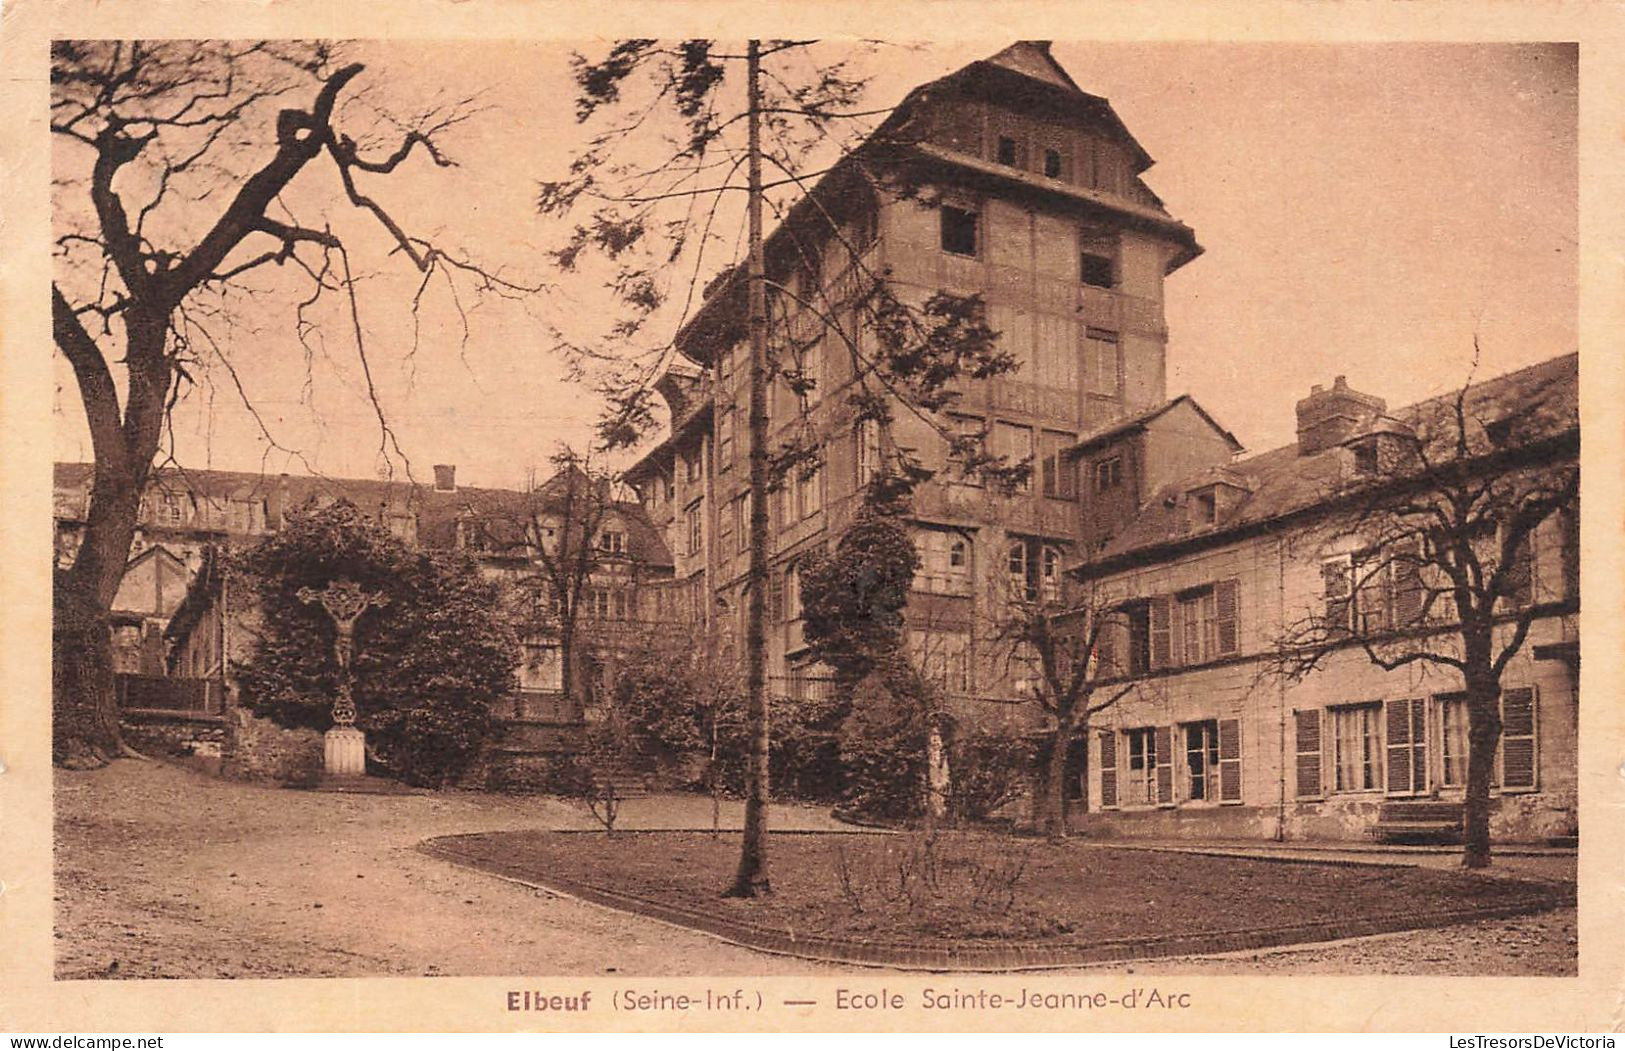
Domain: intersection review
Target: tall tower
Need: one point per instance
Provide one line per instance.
(1045, 214)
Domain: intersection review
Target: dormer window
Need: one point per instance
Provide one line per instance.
(1108, 474)
(1365, 457)
(1204, 507)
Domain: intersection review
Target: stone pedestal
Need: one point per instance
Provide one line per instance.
(345, 751)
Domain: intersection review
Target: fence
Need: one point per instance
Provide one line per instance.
(161, 693)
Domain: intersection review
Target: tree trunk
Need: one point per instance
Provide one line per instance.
(567, 657)
(85, 727)
(1054, 810)
(751, 879)
(1483, 734)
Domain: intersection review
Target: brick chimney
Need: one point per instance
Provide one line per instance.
(1331, 417)
(445, 478)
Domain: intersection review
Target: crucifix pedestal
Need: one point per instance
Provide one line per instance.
(344, 748)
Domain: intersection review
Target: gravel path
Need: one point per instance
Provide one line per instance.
(163, 872)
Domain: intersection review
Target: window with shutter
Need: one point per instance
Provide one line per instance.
(1519, 770)
(1307, 725)
(1405, 566)
(1407, 748)
(1229, 760)
(1227, 598)
(1108, 770)
(775, 596)
(1161, 635)
(1520, 577)
(1165, 765)
(1569, 524)
(1201, 752)
(1334, 575)
(1141, 785)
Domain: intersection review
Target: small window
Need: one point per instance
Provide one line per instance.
(1097, 270)
(612, 542)
(1052, 163)
(1057, 472)
(958, 231)
(1007, 150)
(1108, 474)
(725, 439)
(696, 529)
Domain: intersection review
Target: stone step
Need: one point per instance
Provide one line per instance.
(1417, 831)
(1427, 810)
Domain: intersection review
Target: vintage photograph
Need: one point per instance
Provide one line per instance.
(795, 507)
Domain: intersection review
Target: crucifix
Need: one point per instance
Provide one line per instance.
(345, 602)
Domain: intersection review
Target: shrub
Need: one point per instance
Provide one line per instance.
(988, 771)
(427, 666)
(883, 747)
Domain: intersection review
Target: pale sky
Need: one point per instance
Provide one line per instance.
(1365, 209)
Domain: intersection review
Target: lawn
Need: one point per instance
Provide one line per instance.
(984, 893)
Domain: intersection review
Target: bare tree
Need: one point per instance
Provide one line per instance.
(1434, 537)
(653, 216)
(1069, 650)
(152, 135)
(564, 532)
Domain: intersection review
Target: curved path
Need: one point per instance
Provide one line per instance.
(163, 872)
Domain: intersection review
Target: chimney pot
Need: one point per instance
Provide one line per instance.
(445, 478)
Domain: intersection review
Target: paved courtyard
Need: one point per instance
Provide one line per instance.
(163, 872)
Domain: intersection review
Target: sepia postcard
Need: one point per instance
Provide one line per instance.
(705, 517)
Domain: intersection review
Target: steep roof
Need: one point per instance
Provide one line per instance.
(1543, 399)
(1140, 420)
(1031, 58)
(436, 511)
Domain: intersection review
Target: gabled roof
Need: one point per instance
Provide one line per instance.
(1542, 400)
(1031, 60)
(156, 551)
(1139, 421)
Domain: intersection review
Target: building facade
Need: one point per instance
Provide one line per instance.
(1003, 180)
(1212, 571)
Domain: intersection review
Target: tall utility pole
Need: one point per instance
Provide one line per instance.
(752, 878)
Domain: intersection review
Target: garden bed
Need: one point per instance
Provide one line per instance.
(981, 900)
